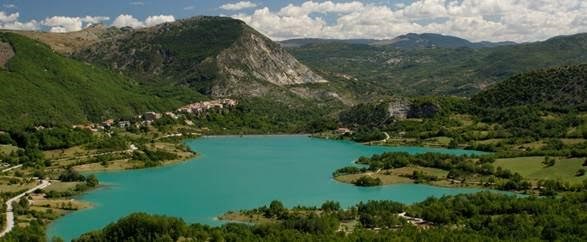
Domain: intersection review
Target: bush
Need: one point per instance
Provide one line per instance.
(367, 181)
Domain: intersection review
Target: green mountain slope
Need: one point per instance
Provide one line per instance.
(439, 71)
(564, 86)
(42, 87)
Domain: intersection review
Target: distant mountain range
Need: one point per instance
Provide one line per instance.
(406, 68)
(407, 41)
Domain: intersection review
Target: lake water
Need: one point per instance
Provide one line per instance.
(234, 173)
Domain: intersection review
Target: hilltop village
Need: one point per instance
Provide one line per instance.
(147, 118)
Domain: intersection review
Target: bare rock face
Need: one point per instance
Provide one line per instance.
(399, 109)
(253, 57)
(6, 53)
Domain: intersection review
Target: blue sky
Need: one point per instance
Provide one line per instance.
(39, 9)
(494, 20)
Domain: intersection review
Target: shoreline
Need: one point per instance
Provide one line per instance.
(254, 135)
(195, 155)
(411, 182)
(121, 169)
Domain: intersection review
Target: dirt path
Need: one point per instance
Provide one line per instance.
(11, 168)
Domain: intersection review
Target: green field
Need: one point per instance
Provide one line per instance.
(532, 168)
(7, 149)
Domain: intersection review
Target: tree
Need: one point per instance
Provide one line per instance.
(71, 175)
(548, 162)
(453, 144)
(276, 209)
(367, 181)
(92, 181)
(330, 206)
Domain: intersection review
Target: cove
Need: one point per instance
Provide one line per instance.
(233, 173)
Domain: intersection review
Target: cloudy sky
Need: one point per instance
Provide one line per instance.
(493, 20)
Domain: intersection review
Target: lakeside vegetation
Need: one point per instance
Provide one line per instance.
(59, 154)
(471, 217)
(457, 171)
(537, 135)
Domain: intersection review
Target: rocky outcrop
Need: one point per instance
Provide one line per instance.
(402, 108)
(399, 109)
(6, 53)
(257, 61)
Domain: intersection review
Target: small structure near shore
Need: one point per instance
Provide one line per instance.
(343, 131)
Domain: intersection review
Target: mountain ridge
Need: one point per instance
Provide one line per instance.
(405, 41)
(439, 71)
(217, 56)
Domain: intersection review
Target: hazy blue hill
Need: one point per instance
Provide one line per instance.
(291, 43)
(564, 86)
(407, 41)
(42, 87)
(428, 40)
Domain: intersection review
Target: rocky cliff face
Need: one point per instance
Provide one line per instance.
(399, 109)
(254, 57)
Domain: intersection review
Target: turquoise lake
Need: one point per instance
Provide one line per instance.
(233, 173)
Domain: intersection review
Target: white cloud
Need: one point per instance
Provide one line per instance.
(238, 6)
(9, 6)
(63, 24)
(68, 24)
(10, 21)
(191, 7)
(155, 20)
(126, 20)
(8, 17)
(137, 3)
(496, 20)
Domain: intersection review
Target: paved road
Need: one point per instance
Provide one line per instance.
(10, 213)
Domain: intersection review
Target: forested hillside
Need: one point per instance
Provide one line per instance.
(42, 87)
(564, 86)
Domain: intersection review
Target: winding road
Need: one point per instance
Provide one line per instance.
(10, 213)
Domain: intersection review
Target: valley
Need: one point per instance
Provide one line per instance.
(202, 116)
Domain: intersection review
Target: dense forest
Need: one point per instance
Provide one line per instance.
(559, 87)
(474, 217)
(59, 90)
